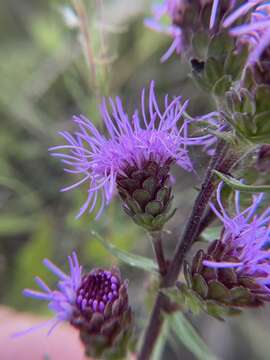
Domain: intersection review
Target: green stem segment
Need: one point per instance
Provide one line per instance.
(159, 252)
(190, 233)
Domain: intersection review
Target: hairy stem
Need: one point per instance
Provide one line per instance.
(188, 237)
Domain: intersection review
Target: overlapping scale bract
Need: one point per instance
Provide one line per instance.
(146, 194)
(104, 317)
(219, 291)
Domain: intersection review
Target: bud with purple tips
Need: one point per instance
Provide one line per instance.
(95, 303)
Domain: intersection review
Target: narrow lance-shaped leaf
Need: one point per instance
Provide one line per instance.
(185, 332)
(134, 260)
(161, 341)
(238, 185)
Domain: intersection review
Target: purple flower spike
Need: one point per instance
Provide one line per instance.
(156, 135)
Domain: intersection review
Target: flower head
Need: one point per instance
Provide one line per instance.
(234, 272)
(153, 136)
(96, 303)
(243, 240)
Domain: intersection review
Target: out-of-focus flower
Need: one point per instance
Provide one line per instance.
(180, 19)
(175, 10)
(234, 272)
(135, 157)
(255, 27)
(95, 303)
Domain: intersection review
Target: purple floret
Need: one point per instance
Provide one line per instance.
(63, 300)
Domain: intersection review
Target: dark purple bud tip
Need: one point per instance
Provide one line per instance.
(98, 288)
(105, 315)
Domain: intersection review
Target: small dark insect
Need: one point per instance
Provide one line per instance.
(197, 65)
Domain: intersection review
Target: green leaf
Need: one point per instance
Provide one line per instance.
(159, 347)
(213, 71)
(185, 332)
(200, 42)
(211, 233)
(222, 85)
(134, 260)
(235, 62)
(220, 46)
(11, 224)
(237, 185)
(200, 81)
(262, 98)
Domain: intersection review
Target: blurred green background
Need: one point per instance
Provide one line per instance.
(45, 79)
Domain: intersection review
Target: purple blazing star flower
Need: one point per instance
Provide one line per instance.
(89, 302)
(234, 271)
(154, 136)
(244, 239)
(256, 32)
(174, 9)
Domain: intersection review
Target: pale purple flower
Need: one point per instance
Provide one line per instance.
(255, 29)
(152, 134)
(245, 239)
